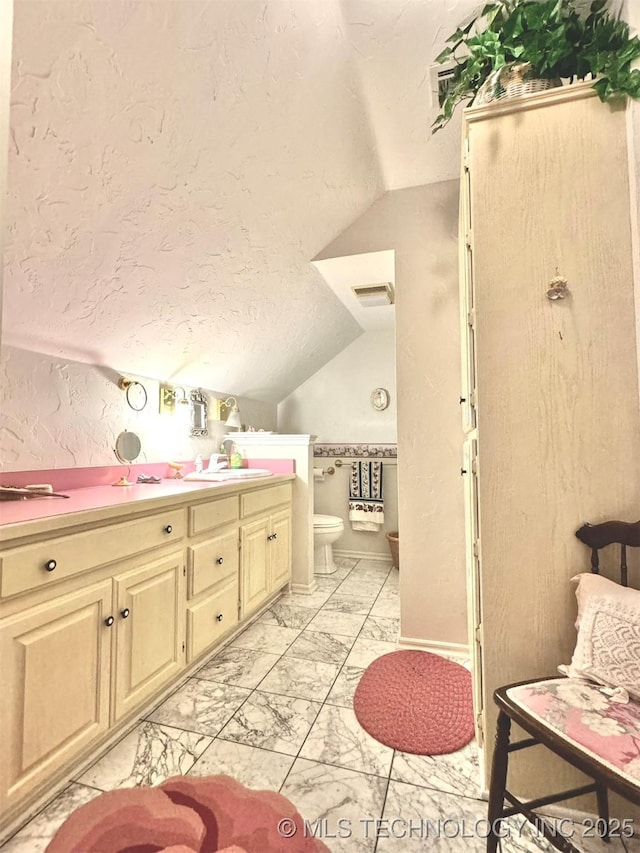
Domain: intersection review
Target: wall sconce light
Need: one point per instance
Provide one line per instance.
(168, 397)
(232, 415)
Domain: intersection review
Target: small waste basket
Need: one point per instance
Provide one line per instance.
(394, 546)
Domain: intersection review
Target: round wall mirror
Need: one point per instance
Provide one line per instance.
(128, 447)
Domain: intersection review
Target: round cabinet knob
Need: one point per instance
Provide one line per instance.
(220, 561)
(168, 529)
(125, 613)
(50, 565)
(275, 535)
(463, 471)
(463, 400)
(219, 617)
(109, 621)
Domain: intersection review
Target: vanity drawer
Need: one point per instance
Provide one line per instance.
(212, 561)
(264, 499)
(34, 566)
(209, 515)
(208, 620)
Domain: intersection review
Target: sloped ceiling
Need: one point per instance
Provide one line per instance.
(175, 166)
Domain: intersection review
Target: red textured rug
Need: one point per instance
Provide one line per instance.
(186, 814)
(416, 702)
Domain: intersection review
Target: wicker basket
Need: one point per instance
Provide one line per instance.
(512, 81)
(394, 546)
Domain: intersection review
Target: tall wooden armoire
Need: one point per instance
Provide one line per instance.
(550, 387)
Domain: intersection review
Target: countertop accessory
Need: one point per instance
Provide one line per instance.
(135, 391)
(17, 493)
(148, 478)
(177, 467)
(127, 449)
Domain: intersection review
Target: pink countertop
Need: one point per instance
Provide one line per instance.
(116, 497)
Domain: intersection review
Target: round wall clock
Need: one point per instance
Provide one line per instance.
(380, 399)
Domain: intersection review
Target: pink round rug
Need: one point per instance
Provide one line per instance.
(416, 702)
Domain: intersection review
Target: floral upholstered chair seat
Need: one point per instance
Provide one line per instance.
(596, 719)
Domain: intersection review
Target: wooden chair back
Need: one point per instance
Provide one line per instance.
(596, 536)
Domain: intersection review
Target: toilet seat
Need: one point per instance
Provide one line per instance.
(326, 521)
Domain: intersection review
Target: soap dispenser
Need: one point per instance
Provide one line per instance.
(236, 458)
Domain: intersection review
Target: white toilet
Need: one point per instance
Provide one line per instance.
(326, 530)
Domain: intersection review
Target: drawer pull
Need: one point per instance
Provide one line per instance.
(219, 617)
(125, 613)
(270, 537)
(275, 535)
(220, 561)
(50, 565)
(168, 529)
(109, 621)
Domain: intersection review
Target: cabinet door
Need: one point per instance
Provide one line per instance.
(255, 548)
(54, 661)
(280, 550)
(150, 630)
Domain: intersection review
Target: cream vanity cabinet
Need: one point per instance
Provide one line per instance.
(88, 640)
(265, 544)
(550, 386)
(212, 573)
(104, 609)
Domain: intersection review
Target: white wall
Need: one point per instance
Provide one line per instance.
(56, 413)
(334, 403)
(6, 29)
(421, 225)
(173, 166)
(331, 497)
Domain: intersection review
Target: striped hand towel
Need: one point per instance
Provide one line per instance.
(366, 506)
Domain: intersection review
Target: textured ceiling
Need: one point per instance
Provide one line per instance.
(175, 166)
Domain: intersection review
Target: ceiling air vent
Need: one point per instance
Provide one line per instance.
(441, 77)
(374, 295)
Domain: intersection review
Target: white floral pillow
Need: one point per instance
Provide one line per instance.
(608, 645)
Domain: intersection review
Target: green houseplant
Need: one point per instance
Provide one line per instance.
(553, 38)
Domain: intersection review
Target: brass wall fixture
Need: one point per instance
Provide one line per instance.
(135, 391)
(228, 411)
(168, 397)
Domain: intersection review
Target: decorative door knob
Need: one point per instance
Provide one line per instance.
(109, 621)
(168, 529)
(125, 613)
(50, 565)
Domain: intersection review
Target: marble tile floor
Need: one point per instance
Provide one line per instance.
(274, 709)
